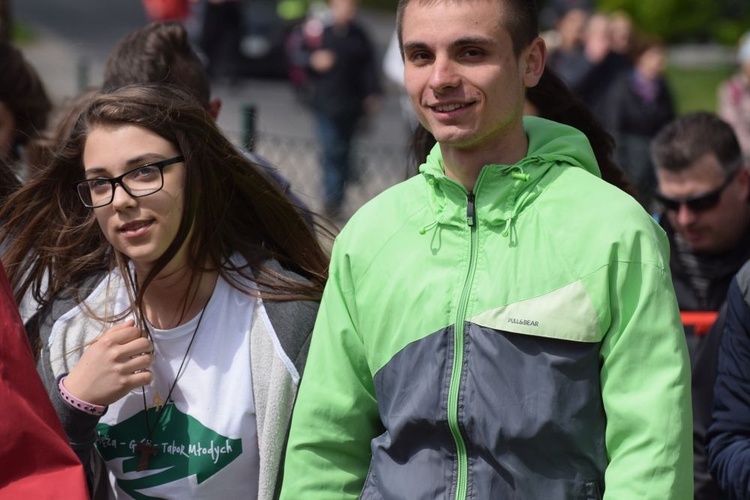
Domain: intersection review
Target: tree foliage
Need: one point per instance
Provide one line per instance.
(687, 20)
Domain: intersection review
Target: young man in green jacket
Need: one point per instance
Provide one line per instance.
(502, 325)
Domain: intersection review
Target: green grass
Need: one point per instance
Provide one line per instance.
(695, 89)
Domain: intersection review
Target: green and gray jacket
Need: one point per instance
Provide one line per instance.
(518, 342)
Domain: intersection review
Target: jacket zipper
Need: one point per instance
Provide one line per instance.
(458, 357)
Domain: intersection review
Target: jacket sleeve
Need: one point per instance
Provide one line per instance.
(645, 383)
(703, 380)
(336, 414)
(79, 427)
(729, 433)
(37, 462)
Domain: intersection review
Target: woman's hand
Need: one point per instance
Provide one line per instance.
(113, 365)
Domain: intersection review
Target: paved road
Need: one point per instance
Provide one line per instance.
(73, 38)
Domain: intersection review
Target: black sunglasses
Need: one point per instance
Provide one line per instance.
(700, 203)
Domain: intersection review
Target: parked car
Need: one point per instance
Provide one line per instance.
(262, 45)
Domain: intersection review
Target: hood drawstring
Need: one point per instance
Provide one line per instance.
(423, 230)
(516, 174)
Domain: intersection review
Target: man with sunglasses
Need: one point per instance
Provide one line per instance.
(703, 187)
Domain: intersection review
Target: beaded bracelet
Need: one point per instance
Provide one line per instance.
(73, 401)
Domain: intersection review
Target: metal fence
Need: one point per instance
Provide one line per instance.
(376, 167)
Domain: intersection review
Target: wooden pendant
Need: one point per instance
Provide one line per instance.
(146, 449)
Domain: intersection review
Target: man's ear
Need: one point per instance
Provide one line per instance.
(533, 59)
(214, 106)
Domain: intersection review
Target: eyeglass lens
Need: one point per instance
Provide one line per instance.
(142, 181)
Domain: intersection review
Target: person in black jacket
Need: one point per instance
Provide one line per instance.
(729, 434)
(640, 105)
(703, 187)
(343, 85)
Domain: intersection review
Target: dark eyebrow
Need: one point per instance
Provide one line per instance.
(408, 47)
(460, 42)
(138, 161)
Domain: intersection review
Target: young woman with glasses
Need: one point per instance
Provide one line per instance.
(177, 287)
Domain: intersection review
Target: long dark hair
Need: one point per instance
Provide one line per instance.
(229, 206)
(553, 100)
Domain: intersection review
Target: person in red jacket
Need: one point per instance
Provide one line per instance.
(35, 458)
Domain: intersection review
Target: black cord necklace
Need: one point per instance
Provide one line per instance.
(146, 447)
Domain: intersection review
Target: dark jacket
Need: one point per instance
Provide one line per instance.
(703, 349)
(729, 433)
(634, 115)
(341, 91)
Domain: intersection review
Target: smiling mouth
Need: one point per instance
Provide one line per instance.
(449, 108)
(446, 108)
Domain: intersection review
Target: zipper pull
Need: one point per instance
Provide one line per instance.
(470, 209)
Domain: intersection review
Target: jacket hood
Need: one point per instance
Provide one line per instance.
(503, 191)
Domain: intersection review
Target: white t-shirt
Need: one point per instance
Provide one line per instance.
(206, 440)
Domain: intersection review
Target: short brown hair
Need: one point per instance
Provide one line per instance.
(688, 138)
(522, 22)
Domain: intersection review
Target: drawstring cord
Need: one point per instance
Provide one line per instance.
(423, 230)
(517, 174)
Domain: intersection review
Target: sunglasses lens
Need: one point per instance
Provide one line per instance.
(668, 203)
(700, 204)
(704, 202)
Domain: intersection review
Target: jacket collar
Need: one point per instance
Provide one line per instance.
(503, 191)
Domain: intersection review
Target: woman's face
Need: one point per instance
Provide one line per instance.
(141, 228)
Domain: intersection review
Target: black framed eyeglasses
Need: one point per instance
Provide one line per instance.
(139, 182)
(700, 203)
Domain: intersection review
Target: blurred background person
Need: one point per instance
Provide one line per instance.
(567, 58)
(342, 87)
(24, 110)
(734, 96)
(586, 61)
(641, 103)
(606, 68)
(703, 187)
(621, 32)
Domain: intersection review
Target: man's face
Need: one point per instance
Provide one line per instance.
(718, 228)
(464, 80)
